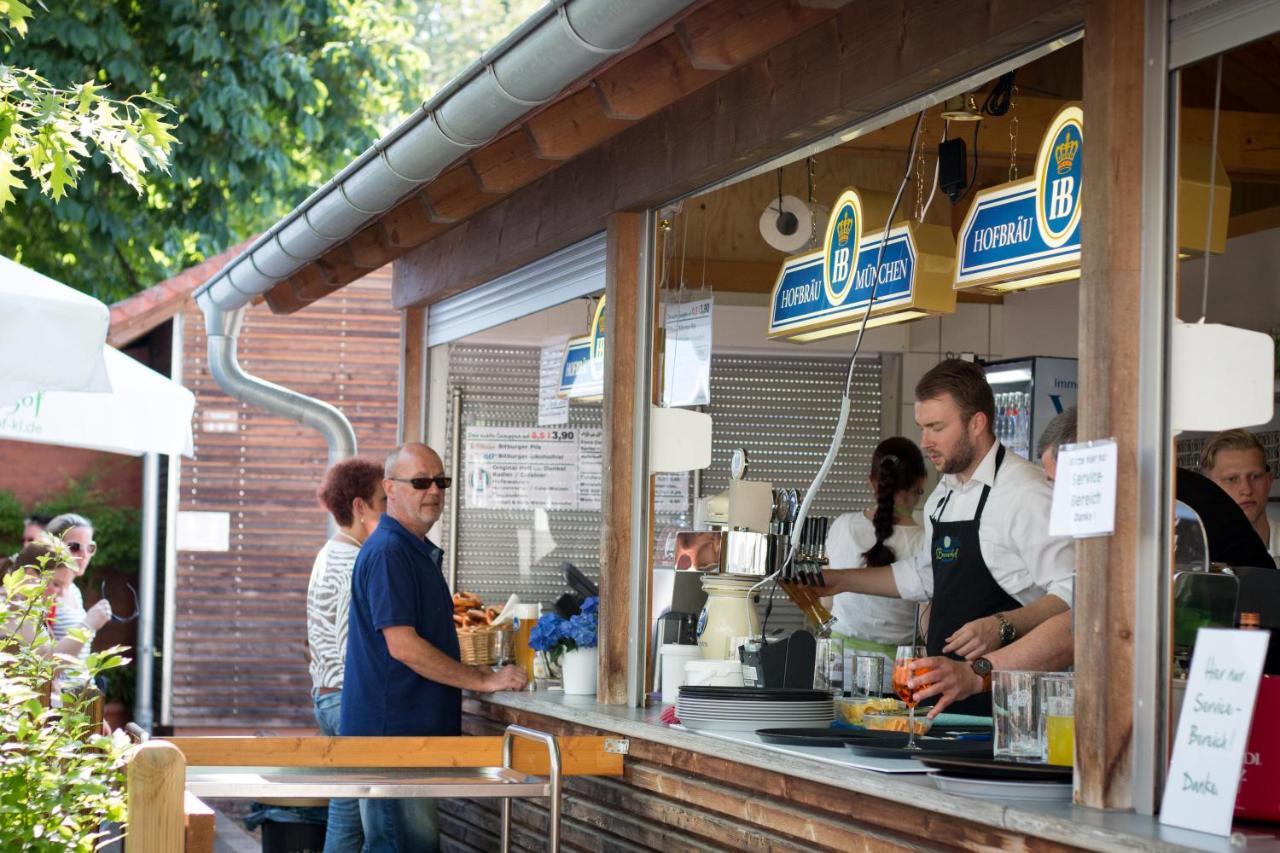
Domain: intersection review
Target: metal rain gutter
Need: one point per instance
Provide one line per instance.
(558, 45)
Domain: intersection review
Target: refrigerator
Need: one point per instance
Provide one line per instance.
(1029, 393)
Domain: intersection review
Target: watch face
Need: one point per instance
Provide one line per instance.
(982, 666)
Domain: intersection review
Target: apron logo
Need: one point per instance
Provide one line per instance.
(945, 553)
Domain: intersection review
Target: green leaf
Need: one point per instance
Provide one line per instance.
(15, 13)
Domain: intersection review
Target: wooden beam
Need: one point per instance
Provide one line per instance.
(865, 58)
(456, 194)
(580, 756)
(412, 404)
(410, 223)
(1110, 350)
(1254, 221)
(509, 163)
(199, 825)
(156, 776)
(645, 82)
(624, 281)
(567, 128)
(370, 247)
(723, 35)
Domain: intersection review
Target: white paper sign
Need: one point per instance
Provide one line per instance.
(590, 462)
(519, 468)
(686, 365)
(203, 531)
(552, 409)
(1208, 752)
(671, 492)
(1084, 490)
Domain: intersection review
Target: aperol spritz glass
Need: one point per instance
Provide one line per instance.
(901, 674)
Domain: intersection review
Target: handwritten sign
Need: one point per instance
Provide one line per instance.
(1084, 491)
(1208, 752)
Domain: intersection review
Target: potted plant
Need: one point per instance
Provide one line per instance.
(572, 643)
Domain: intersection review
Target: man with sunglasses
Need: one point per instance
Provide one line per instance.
(403, 673)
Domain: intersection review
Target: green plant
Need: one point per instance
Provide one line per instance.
(61, 779)
(116, 529)
(12, 514)
(120, 684)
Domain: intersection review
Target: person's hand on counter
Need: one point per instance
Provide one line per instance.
(949, 680)
(507, 678)
(974, 639)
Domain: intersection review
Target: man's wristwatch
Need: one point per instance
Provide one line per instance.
(982, 667)
(1007, 632)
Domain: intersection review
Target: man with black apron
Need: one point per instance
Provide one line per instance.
(991, 570)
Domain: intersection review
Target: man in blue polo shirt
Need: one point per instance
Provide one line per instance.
(403, 673)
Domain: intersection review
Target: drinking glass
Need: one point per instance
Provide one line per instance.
(1057, 716)
(901, 674)
(1015, 701)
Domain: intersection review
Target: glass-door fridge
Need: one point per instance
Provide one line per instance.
(1029, 393)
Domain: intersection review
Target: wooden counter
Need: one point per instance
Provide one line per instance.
(686, 791)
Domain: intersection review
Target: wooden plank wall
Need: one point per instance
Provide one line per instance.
(239, 644)
(670, 799)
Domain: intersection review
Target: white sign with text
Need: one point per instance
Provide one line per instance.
(686, 371)
(1084, 490)
(553, 410)
(1208, 752)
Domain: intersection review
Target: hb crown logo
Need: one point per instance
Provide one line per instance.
(844, 232)
(1060, 177)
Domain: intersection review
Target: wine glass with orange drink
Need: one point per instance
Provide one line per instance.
(902, 673)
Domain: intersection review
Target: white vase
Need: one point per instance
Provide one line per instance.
(578, 672)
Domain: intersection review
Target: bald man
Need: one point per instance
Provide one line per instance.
(403, 671)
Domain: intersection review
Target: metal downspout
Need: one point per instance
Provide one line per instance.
(223, 329)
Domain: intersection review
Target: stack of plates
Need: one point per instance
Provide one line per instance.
(745, 709)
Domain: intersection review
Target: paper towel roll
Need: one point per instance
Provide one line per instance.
(787, 243)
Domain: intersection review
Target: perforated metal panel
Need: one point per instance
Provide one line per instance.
(783, 411)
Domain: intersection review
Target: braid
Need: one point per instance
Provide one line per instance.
(881, 554)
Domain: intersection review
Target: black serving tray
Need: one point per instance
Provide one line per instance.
(988, 767)
(838, 737)
(893, 745)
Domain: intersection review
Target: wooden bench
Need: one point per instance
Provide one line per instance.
(293, 770)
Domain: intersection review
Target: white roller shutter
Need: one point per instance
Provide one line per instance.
(1202, 28)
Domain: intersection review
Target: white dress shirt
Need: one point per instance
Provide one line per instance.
(870, 617)
(1014, 533)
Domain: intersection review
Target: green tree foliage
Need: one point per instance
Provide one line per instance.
(453, 33)
(274, 98)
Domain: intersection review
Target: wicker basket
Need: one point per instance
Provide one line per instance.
(484, 646)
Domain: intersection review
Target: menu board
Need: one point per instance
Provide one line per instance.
(553, 410)
(686, 361)
(516, 468)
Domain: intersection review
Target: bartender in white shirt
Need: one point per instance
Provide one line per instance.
(990, 567)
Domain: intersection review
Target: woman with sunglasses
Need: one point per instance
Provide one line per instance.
(76, 532)
(869, 624)
(59, 567)
(352, 493)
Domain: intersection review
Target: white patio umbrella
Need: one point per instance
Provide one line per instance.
(144, 413)
(51, 336)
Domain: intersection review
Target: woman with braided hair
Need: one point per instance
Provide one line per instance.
(871, 624)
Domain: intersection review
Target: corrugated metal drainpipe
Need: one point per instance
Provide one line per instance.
(223, 329)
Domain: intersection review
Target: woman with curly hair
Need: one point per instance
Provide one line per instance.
(876, 536)
(352, 493)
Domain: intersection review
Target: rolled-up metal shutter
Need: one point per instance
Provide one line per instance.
(1202, 28)
(570, 273)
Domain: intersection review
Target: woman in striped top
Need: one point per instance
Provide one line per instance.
(76, 532)
(352, 493)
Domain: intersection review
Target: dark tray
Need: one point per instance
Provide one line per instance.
(837, 737)
(988, 767)
(893, 745)
(761, 694)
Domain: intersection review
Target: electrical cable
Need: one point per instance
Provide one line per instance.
(846, 401)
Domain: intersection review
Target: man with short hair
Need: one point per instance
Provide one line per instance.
(1059, 431)
(1237, 462)
(991, 569)
(404, 676)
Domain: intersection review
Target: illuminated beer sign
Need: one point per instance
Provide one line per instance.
(581, 376)
(827, 292)
(1027, 233)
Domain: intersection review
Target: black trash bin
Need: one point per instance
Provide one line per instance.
(289, 829)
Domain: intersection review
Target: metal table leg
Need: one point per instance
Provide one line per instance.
(553, 756)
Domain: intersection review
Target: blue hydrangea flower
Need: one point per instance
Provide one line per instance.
(591, 605)
(548, 631)
(582, 630)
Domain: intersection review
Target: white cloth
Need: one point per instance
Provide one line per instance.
(328, 604)
(871, 617)
(70, 614)
(1273, 547)
(1014, 537)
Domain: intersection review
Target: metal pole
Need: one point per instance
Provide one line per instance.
(145, 653)
(455, 464)
(172, 492)
(641, 536)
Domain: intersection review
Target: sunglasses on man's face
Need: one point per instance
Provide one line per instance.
(423, 483)
(90, 548)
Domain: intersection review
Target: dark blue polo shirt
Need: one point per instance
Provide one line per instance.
(397, 581)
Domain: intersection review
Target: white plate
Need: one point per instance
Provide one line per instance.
(732, 725)
(1002, 789)
(741, 712)
(777, 712)
(782, 722)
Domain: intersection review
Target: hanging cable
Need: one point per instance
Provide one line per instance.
(1213, 173)
(842, 421)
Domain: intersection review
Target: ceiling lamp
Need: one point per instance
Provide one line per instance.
(961, 108)
(828, 292)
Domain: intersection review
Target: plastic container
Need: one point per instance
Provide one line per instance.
(527, 616)
(713, 673)
(673, 657)
(853, 710)
(896, 723)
